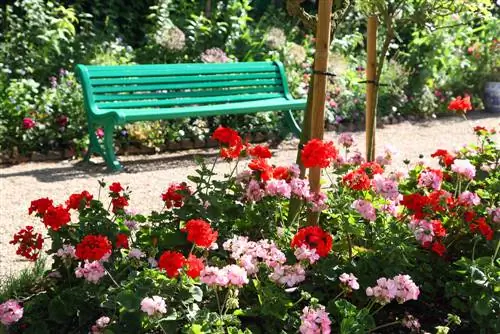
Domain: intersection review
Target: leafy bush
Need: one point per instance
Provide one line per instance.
(207, 261)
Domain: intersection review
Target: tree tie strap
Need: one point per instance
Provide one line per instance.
(329, 74)
(376, 83)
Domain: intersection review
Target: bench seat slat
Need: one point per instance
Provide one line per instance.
(188, 101)
(150, 114)
(177, 69)
(194, 93)
(125, 81)
(217, 84)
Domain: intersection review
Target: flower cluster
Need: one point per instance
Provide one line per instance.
(365, 209)
(10, 312)
(100, 325)
(289, 275)
(400, 287)
(153, 306)
(77, 201)
(230, 142)
(118, 201)
(230, 275)
(430, 178)
(460, 105)
(93, 247)
(313, 237)
(314, 320)
(91, 271)
(349, 281)
(175, 195)
(173, 262)
(317, 153)
(200, 233)
(30, 243)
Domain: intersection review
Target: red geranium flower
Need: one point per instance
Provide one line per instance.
(226, 136)
(317, 153)
(438, 248)
(469, 216)
(260, 165)
(56, 216)
(260, 151)
(195, 266)
(171, 262)
(460, 105)
(75, 200)
(122, 241)
(444, 157)
(371, 168)
(40, 206)
(231, 152)
(314, 237)
(30, 243)
(438, 228)
(483, 227)
(200, 233)
(175, 195)
(357, 180)
(281, 173)
(93, 247)
(115, 187)
(119, 203)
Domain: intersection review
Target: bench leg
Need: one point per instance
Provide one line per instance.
(292, 123)
(94, 146)
(109, 147)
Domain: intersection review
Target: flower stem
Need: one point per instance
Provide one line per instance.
(493, 258)
(384, 325)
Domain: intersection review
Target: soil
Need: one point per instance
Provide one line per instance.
(147, 176)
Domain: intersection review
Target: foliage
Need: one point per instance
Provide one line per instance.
(117, 270)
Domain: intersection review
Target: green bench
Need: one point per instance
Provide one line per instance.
(116, 95)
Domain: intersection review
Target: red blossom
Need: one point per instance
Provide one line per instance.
(119, 203)
(281, 173)
(93, 247)
(469, 216)
(40, 206)
(438, 228)
(357, 180)
(317, 153)
(194, 266)
(445, 157)
(56, 216)
(75, 200)
(438, 248)
(260, 165)
(122, 241)
(30, 243)
(230, 141)
(371, 168)
(231, 152)
(460, 105)
(200, 233)
(259, 151)
(314, 237)
(175, 195)
(171, 262)
(115, 187)
(483, 228)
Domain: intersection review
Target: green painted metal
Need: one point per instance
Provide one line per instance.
(115, 95)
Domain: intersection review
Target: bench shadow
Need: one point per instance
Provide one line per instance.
(82, 169)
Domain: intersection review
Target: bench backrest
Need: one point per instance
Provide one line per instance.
(151, 86)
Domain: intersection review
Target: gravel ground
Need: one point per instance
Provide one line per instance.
(148, 176)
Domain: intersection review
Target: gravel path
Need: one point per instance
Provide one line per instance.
(148, 176)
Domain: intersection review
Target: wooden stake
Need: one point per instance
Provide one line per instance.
(371, 71)
(319, 89)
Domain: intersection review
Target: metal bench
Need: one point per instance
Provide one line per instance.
(116, 95)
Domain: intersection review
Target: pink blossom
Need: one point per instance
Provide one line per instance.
(430, 179)
(399, 175)
(278, 188)
(468, 198)
(464, 168)
(315, 321)
(300, 188)
(244, 177)
(346, 139)
(423, 230)
(495, 214)
(288, 275)
(406, 288)
(100, 324)
(384, 291)
(28, 123)
(305, 253)
(365, 209)
(135, 253)
(349, 280)
(356, 158)
(91, 271)
(231, 275)
(318, 201)
(10, 312)
(294, 170)
(99, 133)
(391, 207)
(236, 275)
(386, 187)
(153, 306)
(254, 192)
(411, 323)
(66, 252)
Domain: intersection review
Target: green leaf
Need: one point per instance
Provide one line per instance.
(483, 307)
(128, 300)
(197, 293)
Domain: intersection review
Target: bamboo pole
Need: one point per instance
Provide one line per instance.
(323, 32)
(371, 72)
